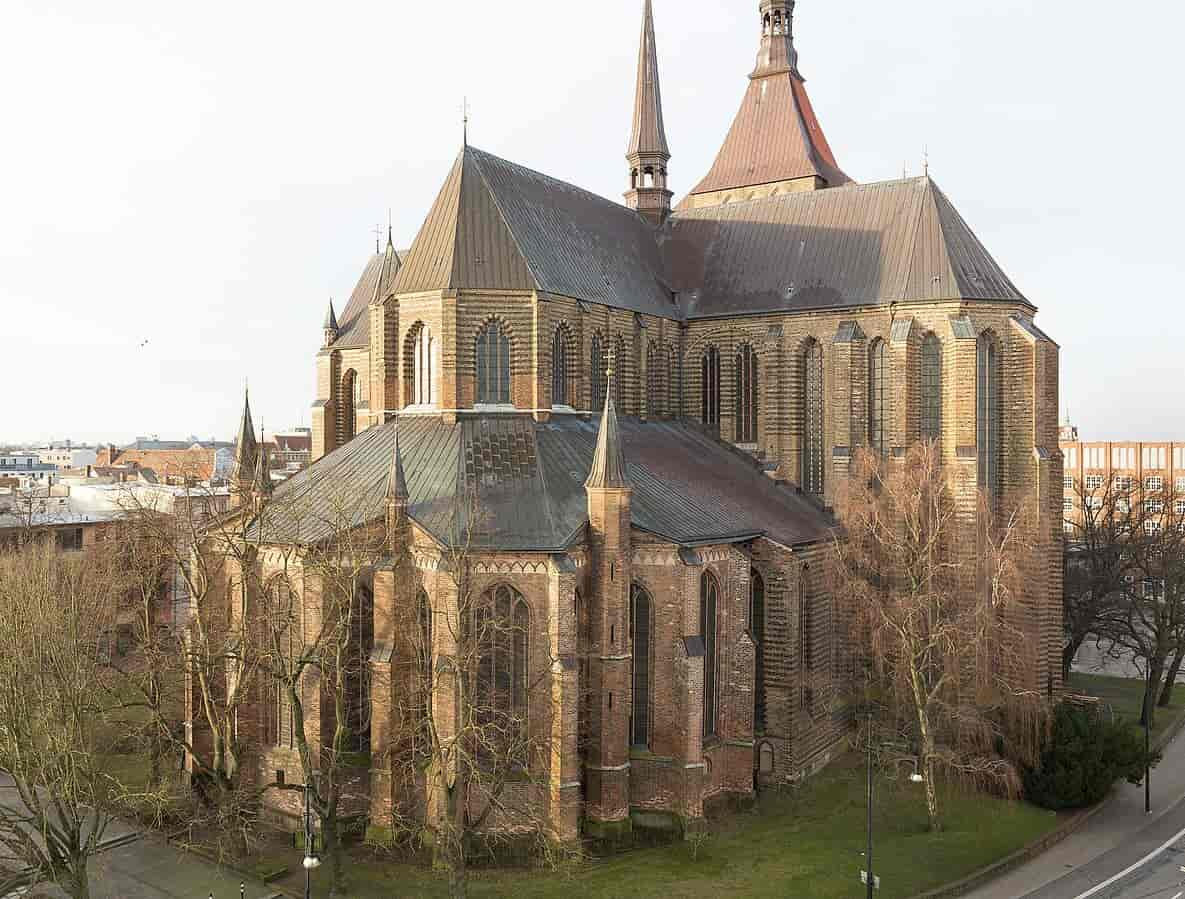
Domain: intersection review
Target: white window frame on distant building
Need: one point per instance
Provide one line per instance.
(1153, 484)
(1094, 482)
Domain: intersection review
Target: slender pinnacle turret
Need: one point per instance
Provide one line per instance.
(396, 480)
(330, 327)
(246, 447)
(648, 153)
(608, 465)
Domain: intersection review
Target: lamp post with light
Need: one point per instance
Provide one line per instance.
(311, 861)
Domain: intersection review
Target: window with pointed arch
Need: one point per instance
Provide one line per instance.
(931, 388)
(560, 385)
(501, 622)
(671, 381)
(598, 361)
(641, 635)
(656, 376)
(810, 418)
(425, 673)
(746, 394)
(620, 373)
(988, 412)
(877, 410)
(357, 674)
(757, 632)
(350, 399)
(709, 597)
(421, 368)
(710, 387)
(806, 638)
(493, 365)
(282, 639)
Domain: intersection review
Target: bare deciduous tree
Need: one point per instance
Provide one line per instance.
(938, 618)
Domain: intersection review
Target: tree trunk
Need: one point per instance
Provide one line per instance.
(1170, 679)
(1068, 652)
(931, 796)
(333, 851)
(1148, 710)
(78, 883)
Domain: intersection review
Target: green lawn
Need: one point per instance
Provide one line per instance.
(1124, 695)
(809, 844)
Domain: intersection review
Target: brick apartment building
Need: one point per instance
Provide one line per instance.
(660, 532)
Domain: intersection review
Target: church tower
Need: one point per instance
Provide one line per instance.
(648, 153)
(248, 456)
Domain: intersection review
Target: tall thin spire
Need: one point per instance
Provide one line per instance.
(648, 153)
(330, 318)
(396, 480)
(246, 447)
(608, 464)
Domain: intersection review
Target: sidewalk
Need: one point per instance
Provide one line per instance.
(1117, 822)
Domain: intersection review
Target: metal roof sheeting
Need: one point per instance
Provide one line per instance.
(855, 245)
(509, 483)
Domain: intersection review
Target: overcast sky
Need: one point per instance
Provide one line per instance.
(184, 185)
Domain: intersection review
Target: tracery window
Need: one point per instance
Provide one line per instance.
(746, 395)
(877, 418)
(501, 627)
(806, 650)
(281, 638)
(493, 365)
(709, 595)
(710, 387)
(619, 365)
(599, 363)
(559, 368)
(423, 369)
(656, 375)
(350, 390)
(357, 675)
(757, 632)
(811, 419)
(931, 396)
(988, 413)
(424, 663)
(641, 635)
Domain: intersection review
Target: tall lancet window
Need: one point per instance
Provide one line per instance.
(423, 369)
(757, 632)
(493, 365)
(931, 397)
(351, 390)
(641, 636)
(710, 387)
(709, 595)
(559, 368)
(988, 412)
(598, 361)
(811, 419)
(620, 359)
(746, 395)
(877, 415)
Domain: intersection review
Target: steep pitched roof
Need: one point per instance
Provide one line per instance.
(511, 483)
(648, 134)
(774, 137)
(501, 226)
(856, 245)
(608, 464)
(246, 447)
(375, 283)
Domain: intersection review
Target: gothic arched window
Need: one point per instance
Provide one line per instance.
(671, 403)
(493, 365)
(598, 362)
(709, 595)
(620, 361)
(877, 415)
(931, 394)
(501, 627)
(757, 632)
(357, 675)
(350, 390)
(559, 368)
(424, 673)
(641, 635)
(656, 378)
(746, 395)
(806, 643)
(281, 624)
(423, 367)
(988, 412)
(710, 387)
(811, 419)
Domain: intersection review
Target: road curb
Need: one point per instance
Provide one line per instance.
(1042, 844)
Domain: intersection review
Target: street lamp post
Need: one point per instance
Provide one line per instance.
(310, 856)
(871, 876)
(1148, 704)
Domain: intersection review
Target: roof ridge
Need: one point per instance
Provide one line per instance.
(530, 171)
(936, 194)
(913, 246)
(502, 215)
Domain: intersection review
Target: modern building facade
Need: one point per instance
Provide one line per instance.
(652, 407)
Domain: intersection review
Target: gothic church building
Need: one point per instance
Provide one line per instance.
(652, 405)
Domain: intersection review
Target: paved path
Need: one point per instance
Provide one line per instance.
(136, 866)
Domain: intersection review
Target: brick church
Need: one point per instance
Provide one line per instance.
(652, 406)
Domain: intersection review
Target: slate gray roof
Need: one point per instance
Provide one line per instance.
(525, 480)
(844, 246)
(377, 279)
(501, 226)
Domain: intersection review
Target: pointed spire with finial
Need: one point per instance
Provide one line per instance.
(648, 152)
(246, 448)
(262, 482)
(331, 317)
(608, 465)
(396, 480)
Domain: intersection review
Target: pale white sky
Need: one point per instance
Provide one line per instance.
(204, 175)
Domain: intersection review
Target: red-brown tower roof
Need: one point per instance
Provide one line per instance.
(649, 135)
(776, 135)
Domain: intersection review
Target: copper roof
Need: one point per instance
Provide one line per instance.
(377, 280)
(608, 463)
(648, 135)
(521, 485)
(855, 245)
(501, 226)
(774, 137)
